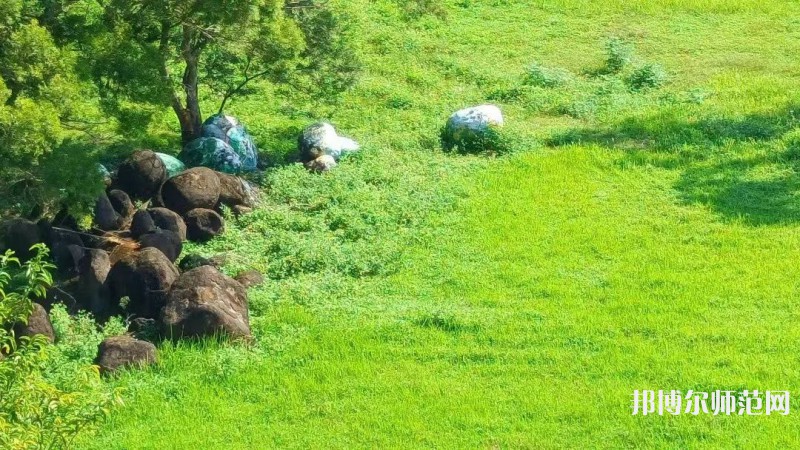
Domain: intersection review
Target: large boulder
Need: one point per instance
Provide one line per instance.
(19, 235)
(93, 293)
(145, 277)
(105, 217)
(38, 324)
(195, 188)
(205, 302)
(225, 146)
(141, 174)
(121, 203)
(117, 352)
(167, 241)
(167, 219)
(322, 139)
(235, 191)
(142, 224)
(203, 224)
(472, 128)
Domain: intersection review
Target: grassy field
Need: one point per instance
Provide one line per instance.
(639, 240)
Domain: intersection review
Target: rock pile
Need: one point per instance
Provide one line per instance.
(127, 263)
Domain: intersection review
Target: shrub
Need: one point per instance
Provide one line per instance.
(619, 55)
(547, 77)
(649, 76)
(493, 141)
(35, 412)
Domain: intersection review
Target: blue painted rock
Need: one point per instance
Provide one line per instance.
(225, 146)
(174, 165)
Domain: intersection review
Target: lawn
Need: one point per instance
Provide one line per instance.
(639, 240)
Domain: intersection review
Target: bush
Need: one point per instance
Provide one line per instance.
(494, 141)
(619, 55)
(547, 77)
(649, 76)
(35, 412)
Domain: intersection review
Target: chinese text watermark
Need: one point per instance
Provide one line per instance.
(717, 403)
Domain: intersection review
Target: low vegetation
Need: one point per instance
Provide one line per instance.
(637, 230)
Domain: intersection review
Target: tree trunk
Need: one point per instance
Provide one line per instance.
(190, 116)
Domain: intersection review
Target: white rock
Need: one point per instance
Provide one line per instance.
(471, 122)
(321, 139)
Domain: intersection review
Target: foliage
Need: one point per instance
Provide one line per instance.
(649, 76)
(541, 76)
(35, 413)
(43, 104)
(619, 55)
(494, 140)
(160, 53)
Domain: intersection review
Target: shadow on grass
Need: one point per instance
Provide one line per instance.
(737, 166)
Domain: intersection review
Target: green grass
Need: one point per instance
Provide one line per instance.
(644, 240)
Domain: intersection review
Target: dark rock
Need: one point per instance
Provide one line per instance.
(142, 223)
(117, 352)
(66, 293)
(19, 235)
(66, 249)
(196, 188)
(93, 292)
(143, 328)
(121, 203)
(38, 324)
(205, 302)
(193, 261)
(234, 191)
(168, 220)
(63, 219)
(167, 241)
(145, 278)
(250, 278)
(141, 174)
(106, 218)
(203, 224)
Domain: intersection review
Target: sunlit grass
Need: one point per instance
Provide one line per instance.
(422, 300)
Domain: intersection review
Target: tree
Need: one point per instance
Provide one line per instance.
(43, 103)
(161, 52)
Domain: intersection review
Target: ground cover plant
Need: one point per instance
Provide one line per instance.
(642, 233)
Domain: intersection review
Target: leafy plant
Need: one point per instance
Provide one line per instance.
(547, 77)
(649, 76)
(34, 412)
(619, 55)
